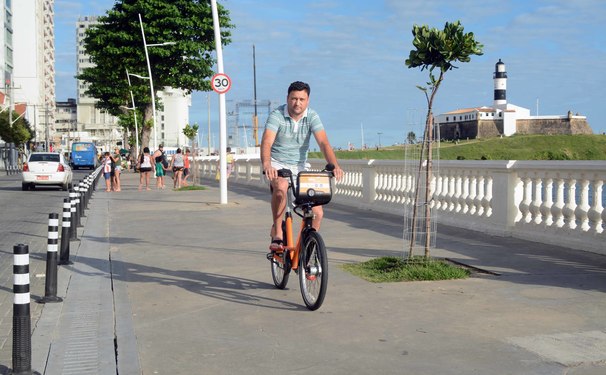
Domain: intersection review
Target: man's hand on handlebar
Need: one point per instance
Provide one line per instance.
(338, 173)
(271, 173)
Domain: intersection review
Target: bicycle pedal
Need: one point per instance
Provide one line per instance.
(271, 255)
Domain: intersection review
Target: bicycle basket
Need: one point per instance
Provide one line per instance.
(313, 187)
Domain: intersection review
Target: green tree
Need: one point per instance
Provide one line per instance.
(191, 132)
(411, 138)
(127, 122)
(19, 132)
(435, 49)
(116, 44)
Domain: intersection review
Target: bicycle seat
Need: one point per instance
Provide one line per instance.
(286, 173)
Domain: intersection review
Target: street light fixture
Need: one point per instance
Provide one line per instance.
(151, 81)
(132, 97)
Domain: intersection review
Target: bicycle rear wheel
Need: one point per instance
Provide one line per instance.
(280, 265)
(313, 270)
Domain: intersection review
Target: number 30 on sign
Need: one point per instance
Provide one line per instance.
(221, 83)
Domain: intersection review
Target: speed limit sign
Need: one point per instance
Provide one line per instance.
(221, 83)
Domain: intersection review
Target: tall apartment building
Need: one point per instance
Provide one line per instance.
(6, 45)
(32, 60)
(102, 127)
(66, 120)
(171, 120)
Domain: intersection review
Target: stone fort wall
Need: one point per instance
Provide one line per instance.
(494, 128)
(555, 126)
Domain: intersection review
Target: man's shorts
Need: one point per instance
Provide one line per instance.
(294, 168)
(159, 170)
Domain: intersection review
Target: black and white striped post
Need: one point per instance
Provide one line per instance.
(65, 232)
(86, 191)
(74, 223)
(22, 331)
(78, 220)
(50, 286)
(82, 188)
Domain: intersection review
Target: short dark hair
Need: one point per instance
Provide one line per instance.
(299, 86)
(146, 150)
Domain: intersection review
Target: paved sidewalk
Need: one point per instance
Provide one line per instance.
(167, 282)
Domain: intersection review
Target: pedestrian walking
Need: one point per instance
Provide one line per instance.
(230, 164)
(117, 159)
(177, 164)
(186, 167)
(145, 168)
(107, 171)
(160, 169)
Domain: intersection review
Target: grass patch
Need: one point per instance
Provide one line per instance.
(517, 147)
(191, 187)
(393, 269)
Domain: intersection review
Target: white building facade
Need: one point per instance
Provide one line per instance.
(33, 75)
(173, 118)
(102, 127)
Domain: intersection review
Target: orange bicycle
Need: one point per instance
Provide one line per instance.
(307, 257)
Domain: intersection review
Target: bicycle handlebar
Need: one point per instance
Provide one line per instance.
(287, 173)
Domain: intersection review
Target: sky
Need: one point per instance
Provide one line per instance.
(353, 52)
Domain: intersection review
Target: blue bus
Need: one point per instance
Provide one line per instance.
(84, 155)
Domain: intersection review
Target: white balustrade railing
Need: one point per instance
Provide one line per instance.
(555, 202)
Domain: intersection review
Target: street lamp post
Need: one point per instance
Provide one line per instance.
(151, 81)
(132, 97)
(379, 133)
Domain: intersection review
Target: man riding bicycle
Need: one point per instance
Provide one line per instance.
(285, 144)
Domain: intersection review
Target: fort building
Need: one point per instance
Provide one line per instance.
(505, 119)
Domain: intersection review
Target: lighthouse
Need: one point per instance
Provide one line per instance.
(500, 85)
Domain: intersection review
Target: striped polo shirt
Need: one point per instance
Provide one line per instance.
(292, 137)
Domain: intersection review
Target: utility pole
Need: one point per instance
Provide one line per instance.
(208, 99)
(11, 105)
(46, 128)
(255, 117)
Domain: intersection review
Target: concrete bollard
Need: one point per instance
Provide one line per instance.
(65, 232)
(74, 212)
(77, 222)
(50, 285)
(22, 331)
(86, 191)
(82, 199)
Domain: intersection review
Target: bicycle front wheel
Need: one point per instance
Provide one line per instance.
(313, 270)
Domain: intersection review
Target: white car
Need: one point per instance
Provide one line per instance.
(48, 169)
